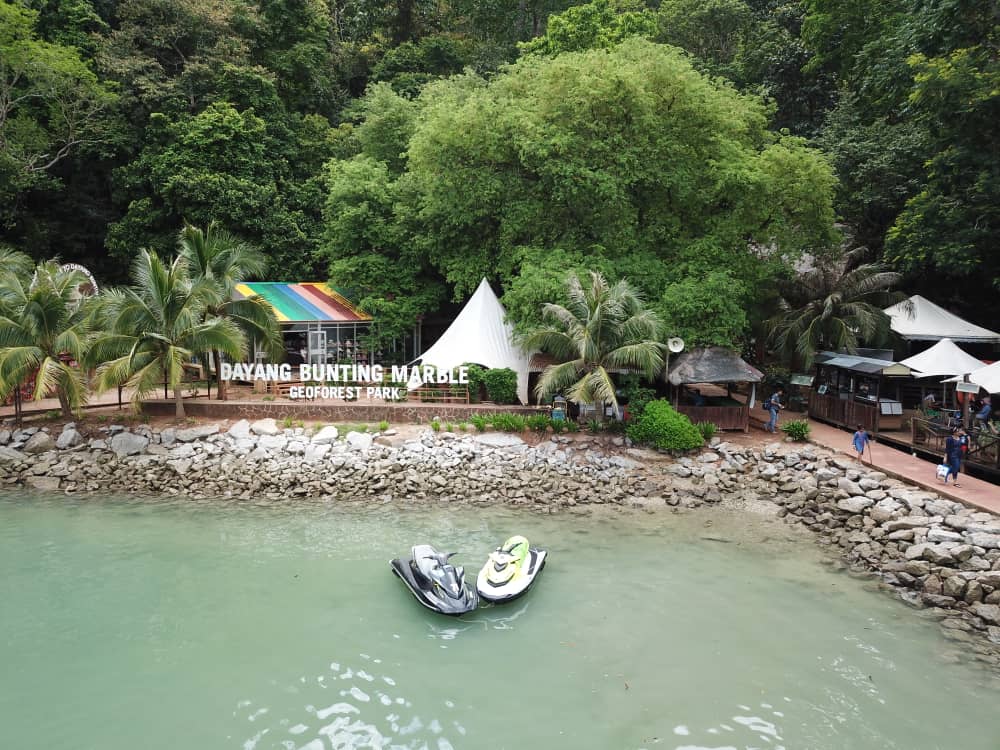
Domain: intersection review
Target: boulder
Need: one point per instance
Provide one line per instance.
(989, 612)
(198, 432)
(326, 435)
(854, 504)
(984, 540)
(265, 427)
(359, 441)
(9, 454)
(4, 437)
(43, 484)
(271, 442)
(128, 444)
(68, 439)
(39, 443)
(240, 430)
(937, 534)
(498, 439)
(851, 488)
(316, 452)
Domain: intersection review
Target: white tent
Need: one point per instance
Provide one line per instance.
(944, 358)
(926, 321)
(986, 377)
(481, 335)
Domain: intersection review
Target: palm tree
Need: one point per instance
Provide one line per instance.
(44, 322)
(156, 325)
(216, 256)
(833, 307)
(601, 328)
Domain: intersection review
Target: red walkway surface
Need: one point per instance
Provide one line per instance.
(973, 492)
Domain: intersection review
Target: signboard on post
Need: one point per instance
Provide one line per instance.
(967, 387)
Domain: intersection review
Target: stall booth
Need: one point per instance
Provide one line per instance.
(722, 369)
(859, 389)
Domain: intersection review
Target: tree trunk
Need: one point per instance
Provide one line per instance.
(179, 400)
(220, 386)
(67, 411)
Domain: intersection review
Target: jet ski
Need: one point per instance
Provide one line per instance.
(436, 583)
(510, 570)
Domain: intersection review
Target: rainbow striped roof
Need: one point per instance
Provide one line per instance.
(305, 302)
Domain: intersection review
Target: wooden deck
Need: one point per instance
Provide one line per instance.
(723, 417)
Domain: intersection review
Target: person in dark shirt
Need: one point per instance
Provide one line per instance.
(953, 447)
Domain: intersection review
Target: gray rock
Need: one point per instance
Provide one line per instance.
(271, 442)
(4, 437)
(326, 435)
(296, 447)
(851, 488)
(359, 441)
(867, 483)
(989, 612)
(910, 522)
(265, 427)
(954, 586)
(984, 540)
(240, 430)
(855, 504)
(498, 439)
(940, 535)
(43, 484)
(168, 436)
(128, 444)
(10, 454)
(68, 439)
(198, 432)
(181, 465)
(316, 452)
(39, 443)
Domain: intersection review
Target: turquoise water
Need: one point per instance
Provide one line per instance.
(181, 625)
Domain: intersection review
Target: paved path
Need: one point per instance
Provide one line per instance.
(108, 398)
(973, 492)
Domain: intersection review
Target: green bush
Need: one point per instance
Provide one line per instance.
(479, 422)
(662, 427)
(558, 425)
(797, 429)
(501, 385)
(707, 430)
(508, 422)
(383, 425)
(636, 395)
(538, 422)
(435, 425)
(475, 381)
(571, 426)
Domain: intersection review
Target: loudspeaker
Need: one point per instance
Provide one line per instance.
(675, 344)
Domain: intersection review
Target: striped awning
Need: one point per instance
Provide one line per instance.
(306, 302)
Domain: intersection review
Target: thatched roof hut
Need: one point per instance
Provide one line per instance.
(711, 364)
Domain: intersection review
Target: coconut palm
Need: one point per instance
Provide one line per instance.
(225, 261)
(601, 328)
(44, 326)
(156, 325)
(832, 307)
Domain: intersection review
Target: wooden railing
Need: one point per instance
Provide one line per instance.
(723, 417)
(445, 394)
(846, 412)
(931, 434)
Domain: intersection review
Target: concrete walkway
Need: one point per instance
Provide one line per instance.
(973, 492)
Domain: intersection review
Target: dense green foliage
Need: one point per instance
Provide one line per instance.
(662, 427)
(796, 429)
(501, 385)
(602, 327)
(409, 149)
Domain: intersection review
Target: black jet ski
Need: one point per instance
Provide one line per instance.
(436, 583)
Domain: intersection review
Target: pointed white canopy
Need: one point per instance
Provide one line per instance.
(481, 335)
(986, 377)
(928, 322)
(944, 358)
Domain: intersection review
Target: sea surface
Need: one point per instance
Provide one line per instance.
(176, 625)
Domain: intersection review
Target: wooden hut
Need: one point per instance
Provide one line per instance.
(713, 366)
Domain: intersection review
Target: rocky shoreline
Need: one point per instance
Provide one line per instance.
(935, 554)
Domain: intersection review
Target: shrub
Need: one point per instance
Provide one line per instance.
(707, 430)
(508, 422)
(475, 382)
(479, 422)
(501, 385)
(636, 395)
(594, 425)
(664, 428)
(797, 429)
(538, 422)
(449, 427)
(462, 426)
(571, 426)
(558, 425)
(383, 425)
(435, 425)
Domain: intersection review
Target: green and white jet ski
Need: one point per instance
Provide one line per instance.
(510, 570)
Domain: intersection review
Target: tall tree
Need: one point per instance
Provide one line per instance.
(46, 330)
(224, 261)
(152, 328)
(602, 328)
(832, 307)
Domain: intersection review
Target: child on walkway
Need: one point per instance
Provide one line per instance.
(953, 454)
(861, 438)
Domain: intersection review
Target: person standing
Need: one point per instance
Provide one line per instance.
(860, 441)
(983, 415)
(774, 405)
(953, 447)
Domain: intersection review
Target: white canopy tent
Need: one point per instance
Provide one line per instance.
(944, 358)
(986, 377)
(919, 319)
(481, 335)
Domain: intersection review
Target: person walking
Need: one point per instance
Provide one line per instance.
(953, 448)
(774, 405)
(860, 441)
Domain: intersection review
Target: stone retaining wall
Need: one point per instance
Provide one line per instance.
(933, 553)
